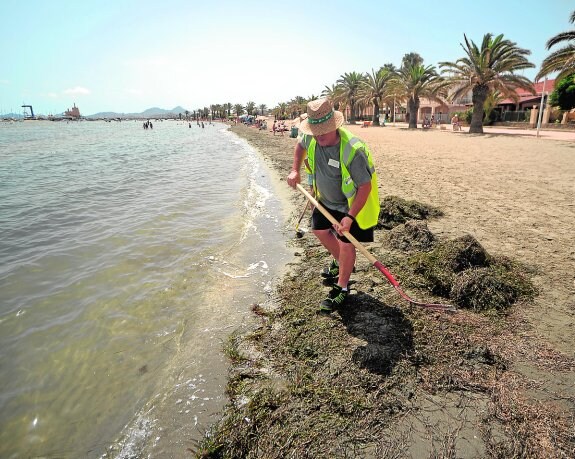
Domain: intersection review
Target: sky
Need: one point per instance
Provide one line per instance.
(127, 56)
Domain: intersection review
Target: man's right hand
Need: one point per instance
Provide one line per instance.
(293, 178)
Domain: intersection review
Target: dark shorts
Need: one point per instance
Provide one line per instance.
(320, 222)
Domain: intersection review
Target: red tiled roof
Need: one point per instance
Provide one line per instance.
(526, 95)
(549, 86)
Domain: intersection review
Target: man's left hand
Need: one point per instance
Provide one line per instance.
(344, 225)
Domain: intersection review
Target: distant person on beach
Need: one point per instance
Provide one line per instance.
(345, 183)
(455, 123)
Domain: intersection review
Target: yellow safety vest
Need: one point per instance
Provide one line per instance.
(349, 144)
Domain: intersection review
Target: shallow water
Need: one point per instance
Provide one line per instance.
(126, 257)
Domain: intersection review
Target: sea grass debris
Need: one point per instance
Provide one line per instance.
(396, 211)
(439, 267)
(413, 235)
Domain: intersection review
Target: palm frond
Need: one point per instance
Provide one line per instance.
(562, 60)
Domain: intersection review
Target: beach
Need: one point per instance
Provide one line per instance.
(514, 193)
(511, 191)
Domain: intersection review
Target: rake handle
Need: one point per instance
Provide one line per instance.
(331, 218)
(302, 214)
(377, 264)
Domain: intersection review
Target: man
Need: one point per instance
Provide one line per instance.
(345, 183)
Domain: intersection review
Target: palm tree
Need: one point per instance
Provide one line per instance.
(411, 60)
(281, 110)
(239, 109)
(350, 83)
(372, 90)
(390, 67)
(486, 69)
(296, 106)
(262, 108)
(493, 99)
(414, 81)
(250, 107)
(563, 59)
(335, 94)
(216, 111)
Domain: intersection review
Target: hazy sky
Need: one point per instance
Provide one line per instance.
(127, 55)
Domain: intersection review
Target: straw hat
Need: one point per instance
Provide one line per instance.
(321, 119)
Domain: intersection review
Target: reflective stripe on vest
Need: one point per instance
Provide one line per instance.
(369, 214)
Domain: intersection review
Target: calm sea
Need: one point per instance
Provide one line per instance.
(127, 256)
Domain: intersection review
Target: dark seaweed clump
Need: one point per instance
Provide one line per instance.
(412, 236)
(462, 270)
(495, 287)
(440, 266)
(396, 211)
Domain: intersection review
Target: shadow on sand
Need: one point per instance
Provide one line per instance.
(387, 332)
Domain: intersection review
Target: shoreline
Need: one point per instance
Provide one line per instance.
(503, 393)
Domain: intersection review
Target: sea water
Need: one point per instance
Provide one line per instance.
(127, 256)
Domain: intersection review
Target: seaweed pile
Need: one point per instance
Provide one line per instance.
(396, 211)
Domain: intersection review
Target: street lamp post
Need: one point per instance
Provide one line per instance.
(540, 114)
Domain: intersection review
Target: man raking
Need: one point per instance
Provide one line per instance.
(345, 183)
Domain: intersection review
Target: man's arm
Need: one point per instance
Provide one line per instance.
(361, 196)
(293, 177)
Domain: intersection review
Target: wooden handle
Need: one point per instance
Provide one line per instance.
(330, 217)
(373, 260)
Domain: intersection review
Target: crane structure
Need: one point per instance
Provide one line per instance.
(26, 115)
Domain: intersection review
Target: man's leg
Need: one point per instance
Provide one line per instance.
(346, 262)
(329, 241)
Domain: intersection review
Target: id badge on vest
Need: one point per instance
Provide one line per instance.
(333, 163)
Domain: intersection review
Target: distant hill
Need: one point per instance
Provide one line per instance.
(150, 112)
(12, 115)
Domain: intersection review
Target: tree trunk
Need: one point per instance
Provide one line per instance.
(352, 111)
(478, 98)
(375, 119)
(413, 107)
